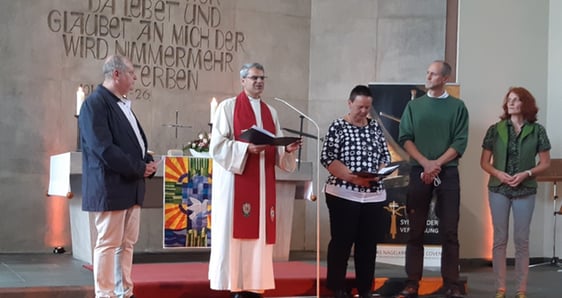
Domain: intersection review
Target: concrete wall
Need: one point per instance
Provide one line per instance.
(501, 44)
(553, 120)
(554, 92)
(41, 72)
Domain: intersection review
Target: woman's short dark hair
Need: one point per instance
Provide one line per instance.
(529, 107)
(358, 91)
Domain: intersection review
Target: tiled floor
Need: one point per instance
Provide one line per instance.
(39, 270)
(35, 275)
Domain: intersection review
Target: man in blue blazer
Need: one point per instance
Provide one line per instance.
(115, 163)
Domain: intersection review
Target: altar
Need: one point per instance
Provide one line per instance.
(66, 178)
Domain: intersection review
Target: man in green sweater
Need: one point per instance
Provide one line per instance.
(434, 132)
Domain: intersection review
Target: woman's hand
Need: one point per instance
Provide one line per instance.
(362, 181)
(517, 179)
(504, 177)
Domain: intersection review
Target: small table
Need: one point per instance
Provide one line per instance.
(553, 174)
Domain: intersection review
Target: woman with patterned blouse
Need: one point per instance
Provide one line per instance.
(353, 144)
(508, 155)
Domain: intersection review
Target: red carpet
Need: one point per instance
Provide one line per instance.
(182, 280)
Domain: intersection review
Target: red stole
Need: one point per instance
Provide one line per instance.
(247, 186)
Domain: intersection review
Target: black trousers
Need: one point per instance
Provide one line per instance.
(353, 223)
(447, 210)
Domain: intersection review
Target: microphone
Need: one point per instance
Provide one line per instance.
(389, 117)
(313, 196)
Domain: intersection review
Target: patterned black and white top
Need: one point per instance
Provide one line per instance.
(359, 148)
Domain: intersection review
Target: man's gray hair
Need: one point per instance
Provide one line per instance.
(446, 69)
(246, 69)
(113, 63)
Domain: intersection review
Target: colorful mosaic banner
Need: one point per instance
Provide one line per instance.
(187, 202)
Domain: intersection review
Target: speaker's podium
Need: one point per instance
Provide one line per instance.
(552, 175)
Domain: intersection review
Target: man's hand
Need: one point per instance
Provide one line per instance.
(256, 149)
(293, 146)
(431, 169)
(426, 178)
(150, 169)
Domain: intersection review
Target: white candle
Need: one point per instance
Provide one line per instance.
(79, 99)
(213, 109)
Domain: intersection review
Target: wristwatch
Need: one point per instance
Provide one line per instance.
(529, 173)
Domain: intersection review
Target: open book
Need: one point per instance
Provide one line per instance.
(381, 173)
(260, 136)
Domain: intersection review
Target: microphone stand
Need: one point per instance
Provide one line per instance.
(300, 147)
(313, 197)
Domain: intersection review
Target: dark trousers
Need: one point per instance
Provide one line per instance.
(353, 223)
(447, 210)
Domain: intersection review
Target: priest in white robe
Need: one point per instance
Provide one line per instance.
(244, 215)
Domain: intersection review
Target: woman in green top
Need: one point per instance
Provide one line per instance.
(508, 155)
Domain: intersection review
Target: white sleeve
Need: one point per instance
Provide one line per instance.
(224, 150)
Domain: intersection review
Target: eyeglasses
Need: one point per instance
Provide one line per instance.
(255, 78)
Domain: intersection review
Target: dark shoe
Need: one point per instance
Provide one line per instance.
(453, 293)
(341, 294)
(408, 292)
(252, 295)
(245, 294)
(367, 294)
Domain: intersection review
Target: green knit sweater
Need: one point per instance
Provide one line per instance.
(435, 125)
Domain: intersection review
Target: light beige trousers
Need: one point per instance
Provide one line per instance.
(118, 231)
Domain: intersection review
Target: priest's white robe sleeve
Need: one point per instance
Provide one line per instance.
(227, 152)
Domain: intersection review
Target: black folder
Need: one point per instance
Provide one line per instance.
(260, 136)
(381, 173)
